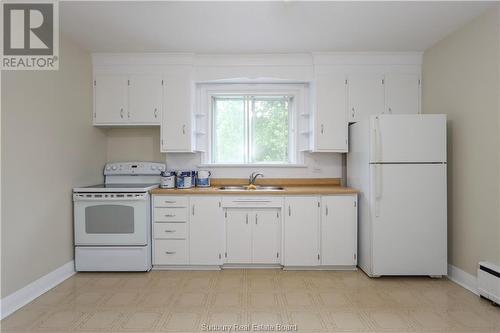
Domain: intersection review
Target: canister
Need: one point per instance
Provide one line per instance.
(203, 178)
(183, 179)
(167, 179)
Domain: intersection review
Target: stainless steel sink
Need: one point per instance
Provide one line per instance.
(232, 188)
(245, 188)
(269, 188)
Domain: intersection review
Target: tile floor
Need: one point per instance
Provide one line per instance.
(315, 301)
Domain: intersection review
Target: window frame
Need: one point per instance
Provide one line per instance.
(295, 91)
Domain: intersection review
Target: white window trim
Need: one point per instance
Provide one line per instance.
(296, 91)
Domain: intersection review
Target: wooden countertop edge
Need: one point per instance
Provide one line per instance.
(288, 190)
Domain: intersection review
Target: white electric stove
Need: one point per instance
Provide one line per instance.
(112, 221)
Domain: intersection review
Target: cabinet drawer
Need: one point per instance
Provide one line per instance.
(170, 252)
(170, 230)
(170, 214)
(164, 201)
(252, 202)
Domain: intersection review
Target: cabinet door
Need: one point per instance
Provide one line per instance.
(265, 236)
(176, 121)
(206, 231)
(339, 230)
(301, 231)
(145, 98)
(402, 93)
(331, 121)
(110, 99)
(238, 236)
(366, 95)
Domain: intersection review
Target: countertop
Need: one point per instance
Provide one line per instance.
(319, 186)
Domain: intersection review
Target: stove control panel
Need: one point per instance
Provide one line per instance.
(134, 168)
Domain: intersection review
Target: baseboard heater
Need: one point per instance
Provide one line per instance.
(488, 281)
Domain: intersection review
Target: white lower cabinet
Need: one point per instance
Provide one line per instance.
(170, 226)
(301, 231)
(238, 237)
(266, 236)
(170, 252)
(253, 236)
(206, 231)
(339, 228)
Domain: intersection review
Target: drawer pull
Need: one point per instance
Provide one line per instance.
(170, 252)
(169, 215)
(169, 230)
(170, 201)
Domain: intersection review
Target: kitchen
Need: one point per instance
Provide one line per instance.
(347, 178)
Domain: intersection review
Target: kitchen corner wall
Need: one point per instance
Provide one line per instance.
(461, 78)
(48, 146)
(134, 144)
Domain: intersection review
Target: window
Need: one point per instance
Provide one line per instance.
(251, 129)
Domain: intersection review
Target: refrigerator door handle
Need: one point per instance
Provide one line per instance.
(377, 150)
(378, 188)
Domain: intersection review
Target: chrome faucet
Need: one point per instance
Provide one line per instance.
(253, 177)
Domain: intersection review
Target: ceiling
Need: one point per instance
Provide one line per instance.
(262, 27)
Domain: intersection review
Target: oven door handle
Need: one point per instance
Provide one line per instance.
(110, 197)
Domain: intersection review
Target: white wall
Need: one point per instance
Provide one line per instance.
(143, 144)
(461, 79)
(48, 147)
(134, 144)
(317, 165)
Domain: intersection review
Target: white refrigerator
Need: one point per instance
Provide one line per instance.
(398, 162)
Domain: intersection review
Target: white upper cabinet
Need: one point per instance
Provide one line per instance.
(110, 99)
(266, 236)
(330, 122)
(122, 99)
(176, 129)
(402, 93)
(145, 98)
(366, 95)
(206, 231)
(339, 230)
(301, 231)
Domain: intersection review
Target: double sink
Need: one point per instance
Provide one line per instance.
(250, 188)
(251, 185)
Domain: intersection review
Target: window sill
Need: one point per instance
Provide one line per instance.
(253, 166)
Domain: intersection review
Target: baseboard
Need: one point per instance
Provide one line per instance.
(463, 279)
(23, 296)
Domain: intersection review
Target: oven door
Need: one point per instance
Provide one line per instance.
(111, 218)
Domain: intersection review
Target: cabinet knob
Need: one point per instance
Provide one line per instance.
(183, 129)
(322, 129)
(156, 112)
(121, 113)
